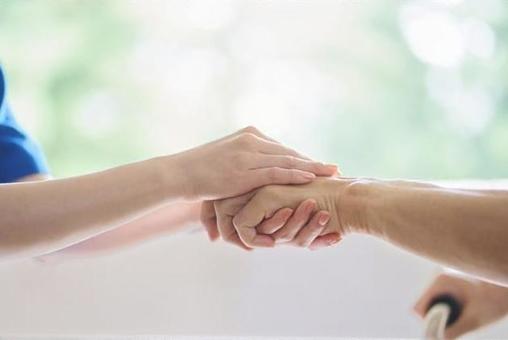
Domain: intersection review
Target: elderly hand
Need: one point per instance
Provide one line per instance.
(249, 215)
(482, 303)
(300, 227)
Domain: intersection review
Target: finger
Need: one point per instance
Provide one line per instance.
(301, 216)
(312, 230)
(212, 231)
(276, 175)
(420, 307)
(252, 239)
(466, 323)
(291, 162)
(271, 225)
(235, 240)
(227, 230)
(246, 221)
(325, 241)
(209, 220)
(438, 286)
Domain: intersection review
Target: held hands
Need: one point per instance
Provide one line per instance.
(248, 221)
(482, 302)
(232, 171)
(301, 215)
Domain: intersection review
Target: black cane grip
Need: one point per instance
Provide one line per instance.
(452, 302)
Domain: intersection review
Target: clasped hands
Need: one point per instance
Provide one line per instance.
(303, 215)
(298, 213)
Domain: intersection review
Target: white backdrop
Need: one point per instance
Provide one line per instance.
(187, 286)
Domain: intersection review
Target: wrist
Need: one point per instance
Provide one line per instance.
(355, 204)
(176, 184)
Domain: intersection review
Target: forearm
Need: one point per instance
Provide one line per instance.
(464, 229)
(41, 217)
(161, 222)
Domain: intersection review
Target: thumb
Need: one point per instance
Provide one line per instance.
(248, 218)
(209, 220)
(467, 322)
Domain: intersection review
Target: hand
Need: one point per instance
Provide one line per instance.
(242, 162)
(266, 201)
(301, 228)
(482, 303)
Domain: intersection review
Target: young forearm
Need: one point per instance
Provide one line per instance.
(464, 229)
(162, 222)
(40, 217)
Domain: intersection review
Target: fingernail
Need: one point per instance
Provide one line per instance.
(309, 205)
(308, 175)
(323, 219)
(334, 241)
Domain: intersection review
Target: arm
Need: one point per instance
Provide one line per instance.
(161, 222)
(165, 221)
(482, 303)
(42, 217)
(464, 229)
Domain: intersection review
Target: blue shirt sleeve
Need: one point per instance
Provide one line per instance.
(20, 156)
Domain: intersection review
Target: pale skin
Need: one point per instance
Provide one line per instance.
(41, 217)
(482, 303)
(462, 229)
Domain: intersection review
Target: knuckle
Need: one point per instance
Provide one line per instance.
(316, 166)
(291, 161)
(247, 140)
(272, 174)
(250, 129)
(249, 137)
(291, 175)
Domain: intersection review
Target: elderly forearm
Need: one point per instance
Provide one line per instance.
(464, 229)
(40, 217)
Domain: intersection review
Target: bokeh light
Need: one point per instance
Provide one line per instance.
(387, 88)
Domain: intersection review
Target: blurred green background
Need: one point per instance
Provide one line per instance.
(384, 88)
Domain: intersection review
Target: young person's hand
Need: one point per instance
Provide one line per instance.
(482, 303)
(242, 162)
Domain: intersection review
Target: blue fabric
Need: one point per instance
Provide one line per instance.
(20, 156)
